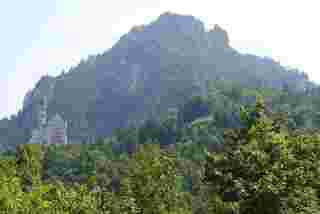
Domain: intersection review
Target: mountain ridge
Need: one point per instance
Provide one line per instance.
(150, 69)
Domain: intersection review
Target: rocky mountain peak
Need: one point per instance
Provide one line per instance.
(186, 24)
(219, 37)
(173, 30)
(44, 88)
(168, 23)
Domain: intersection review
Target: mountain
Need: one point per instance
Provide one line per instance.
(151, 69)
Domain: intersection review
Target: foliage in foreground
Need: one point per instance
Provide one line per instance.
(264, 167)
(150, 186)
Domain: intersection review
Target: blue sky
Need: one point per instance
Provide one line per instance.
(41, 37)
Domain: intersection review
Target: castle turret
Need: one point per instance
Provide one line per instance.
(43, 120)
(43, 113)
(66, 132)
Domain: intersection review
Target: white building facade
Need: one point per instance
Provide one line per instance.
(52, 132)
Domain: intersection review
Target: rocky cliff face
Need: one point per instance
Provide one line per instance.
(44, 88)
(150, 69)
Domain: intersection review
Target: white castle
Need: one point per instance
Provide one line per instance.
(52, 132)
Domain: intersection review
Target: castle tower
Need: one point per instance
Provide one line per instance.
(66, 132)
(43, 120)
(39, 134)
(43, 113)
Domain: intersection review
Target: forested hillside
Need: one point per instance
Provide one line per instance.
(263, 166)
(157, 68)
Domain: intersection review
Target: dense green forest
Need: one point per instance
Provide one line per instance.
(173, 166)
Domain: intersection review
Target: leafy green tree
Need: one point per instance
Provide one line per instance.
(152, 183)
(87, 162)
(264, 170)
(11, 194)
(29, 164)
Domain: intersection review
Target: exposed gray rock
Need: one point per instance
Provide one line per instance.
(150, 69)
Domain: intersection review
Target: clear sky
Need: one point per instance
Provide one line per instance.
(41, 37)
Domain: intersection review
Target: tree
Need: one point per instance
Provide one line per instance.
(265, 170)
(29, 164)
(152, 183)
